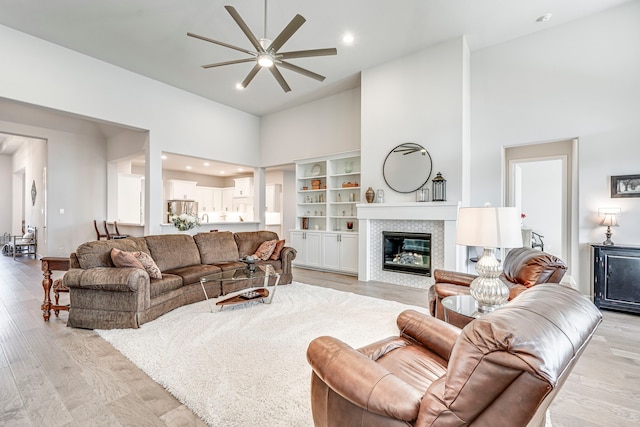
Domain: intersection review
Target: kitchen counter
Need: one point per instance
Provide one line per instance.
(220, 226)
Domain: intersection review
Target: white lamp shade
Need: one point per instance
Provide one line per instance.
(489, 227)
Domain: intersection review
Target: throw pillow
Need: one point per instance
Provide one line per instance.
(123, 259)
(265, 249)
(276, 251)
(149, 264)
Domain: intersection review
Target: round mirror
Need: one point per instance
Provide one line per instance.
(407, 167)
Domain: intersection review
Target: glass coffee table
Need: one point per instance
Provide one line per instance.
(234, 285)
(463, 305)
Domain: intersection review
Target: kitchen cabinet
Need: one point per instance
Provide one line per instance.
(209, 199)
(340, 252)
(177, 189)
(243, 187)
(227, 199)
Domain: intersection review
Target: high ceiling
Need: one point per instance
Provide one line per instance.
(149, 37)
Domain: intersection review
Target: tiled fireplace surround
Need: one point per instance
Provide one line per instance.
(439, 219)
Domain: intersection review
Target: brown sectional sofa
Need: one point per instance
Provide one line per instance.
(105, 297)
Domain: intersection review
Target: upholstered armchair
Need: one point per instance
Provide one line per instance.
(522, 269)
(503, 369)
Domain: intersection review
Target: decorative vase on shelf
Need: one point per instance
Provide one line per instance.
(370, 195)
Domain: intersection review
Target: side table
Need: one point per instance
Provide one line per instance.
(48, 265)
(460, 309)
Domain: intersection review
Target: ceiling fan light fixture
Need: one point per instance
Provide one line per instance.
(265, 60)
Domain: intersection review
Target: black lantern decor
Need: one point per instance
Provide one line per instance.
(439, 188)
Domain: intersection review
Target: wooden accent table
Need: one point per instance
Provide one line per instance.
(50, 264)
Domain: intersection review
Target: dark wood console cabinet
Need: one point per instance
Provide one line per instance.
(616, 277)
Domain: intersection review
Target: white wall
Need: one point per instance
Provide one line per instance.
(576, 80)
(5, 194)
(418, 98)
(177, 121)
(76, 182)
(327, 126)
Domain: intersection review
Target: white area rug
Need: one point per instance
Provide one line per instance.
(246, 365)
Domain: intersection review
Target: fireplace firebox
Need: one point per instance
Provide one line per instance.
(407, 252)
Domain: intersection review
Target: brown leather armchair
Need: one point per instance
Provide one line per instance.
(503, 369)
(522, 269)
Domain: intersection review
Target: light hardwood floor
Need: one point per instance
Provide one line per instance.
(58, 376)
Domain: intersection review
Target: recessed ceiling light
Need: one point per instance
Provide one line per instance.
(222, 172)
(188, 167)
(206, 163)
(239, 86)
(240, 170)
(348, 38)
(544, 18)
(163, 157)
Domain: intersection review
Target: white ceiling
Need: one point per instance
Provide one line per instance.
(149, 37)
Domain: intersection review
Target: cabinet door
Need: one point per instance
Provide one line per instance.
(331, 251)
(349, 253)
(216, 199)
(227, 199)
(313, 248)
(298, 243)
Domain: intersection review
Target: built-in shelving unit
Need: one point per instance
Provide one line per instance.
(328, 191)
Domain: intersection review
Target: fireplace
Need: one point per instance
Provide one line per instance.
(407, 252)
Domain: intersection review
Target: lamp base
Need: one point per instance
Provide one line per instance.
(608, 242)
(487, 289)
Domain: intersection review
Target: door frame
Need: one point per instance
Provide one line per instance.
(567, 151)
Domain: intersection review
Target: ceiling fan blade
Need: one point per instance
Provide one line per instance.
(245, 29)
(276, 73)
(237, 61)
(288, 31)
(230, 46)
(301, 70)
(251, 75)
(308, 53)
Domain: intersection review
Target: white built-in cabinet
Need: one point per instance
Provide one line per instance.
(308, 245)
(328, 190)
(340, 252)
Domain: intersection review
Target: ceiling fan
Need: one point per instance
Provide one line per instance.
(267, 52)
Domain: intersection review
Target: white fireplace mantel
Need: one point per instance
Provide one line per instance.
(369, 213)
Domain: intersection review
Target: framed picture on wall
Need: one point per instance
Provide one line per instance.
(625, 186)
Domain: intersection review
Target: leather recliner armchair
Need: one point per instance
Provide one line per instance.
(522, 269)
(503, 369)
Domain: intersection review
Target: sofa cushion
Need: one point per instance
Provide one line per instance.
(167, 283)
(265, 249)
(193, 273)
(149, 264)
(249, 241)
(171, 251)
(98, 253)
(123, 259)
(276, 251)
(217, 247)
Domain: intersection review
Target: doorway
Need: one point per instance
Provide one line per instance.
(542, 183)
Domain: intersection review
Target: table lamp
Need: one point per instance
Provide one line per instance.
(489, 228)
(610, 220)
